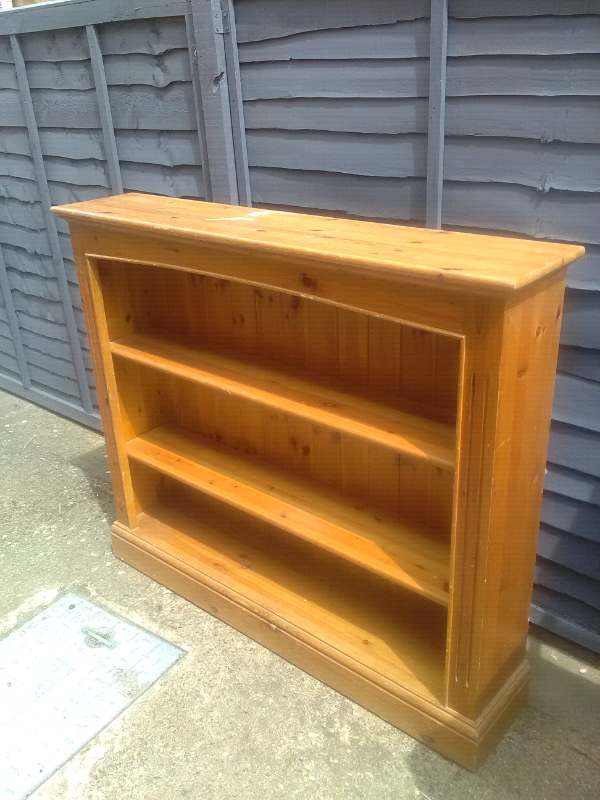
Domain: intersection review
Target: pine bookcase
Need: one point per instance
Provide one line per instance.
(331, 434)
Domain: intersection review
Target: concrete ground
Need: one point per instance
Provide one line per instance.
(233, 721)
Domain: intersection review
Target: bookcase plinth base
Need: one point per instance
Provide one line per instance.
(465, 741)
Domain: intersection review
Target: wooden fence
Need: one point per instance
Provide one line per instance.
(474, 114)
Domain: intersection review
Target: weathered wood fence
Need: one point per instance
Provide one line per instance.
(470, 113)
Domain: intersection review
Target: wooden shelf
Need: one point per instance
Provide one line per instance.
(394, 635)
(377, 541)
(320, 399)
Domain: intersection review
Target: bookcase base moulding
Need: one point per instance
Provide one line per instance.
(331, 434)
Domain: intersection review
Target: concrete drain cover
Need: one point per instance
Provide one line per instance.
(64, 676)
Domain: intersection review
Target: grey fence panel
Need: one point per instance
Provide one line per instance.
(514, 182)
(337, 106)
(334, 121)
(110, 106)
(79, 387)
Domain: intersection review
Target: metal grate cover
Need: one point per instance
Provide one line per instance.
(64, 676)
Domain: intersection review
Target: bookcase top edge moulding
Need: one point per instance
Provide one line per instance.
(331, 434)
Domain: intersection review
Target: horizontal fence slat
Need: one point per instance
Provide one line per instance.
(366, 115)
(10, 365)
(466, 77)
(570, 483)
(28, 215)
(290, 17)
(560, 215)
(33, 285)
(142, 68)
(61, 368)
(17, 258)
(404, 78)
(66, 44)
(574, 552)
(363, 196)
(44, 327)
(140, 35)
(401, 40)
(133, 108)
(585, 272)
(566, 514)
(583, 614)
(143, 36)
(53, 347)
(521, 8)
(540, 165)
(575, 448)
(410, 39)
(85, 12)
(570, 216)
(573, 119)
(581, 319)
(72, 144)
(357, 154)
(169, 148)
(89, 171)
(121, 70)
(577, 402)
(574, 74)
(554, 622)
(514, 36)
(149, 108)
(568, 582)
(579, 362)
(31, 241)
(553, 165)
(183, 181)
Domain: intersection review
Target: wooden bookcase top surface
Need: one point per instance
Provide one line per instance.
(480, 263)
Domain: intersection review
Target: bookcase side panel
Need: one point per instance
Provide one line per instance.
(528, 370)
(477, 428)
(110, 412)
(509, 365)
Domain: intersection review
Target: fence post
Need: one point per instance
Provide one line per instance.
(218, 85)
(438, 46)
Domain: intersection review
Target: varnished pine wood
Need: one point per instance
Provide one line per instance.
(366, 536)
(458, 260)
(406, 704)
(112, 421)
(320, 399)
(295, 583)
(389, 555)
(512, 353)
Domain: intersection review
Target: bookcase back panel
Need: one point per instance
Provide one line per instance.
(408, 367)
